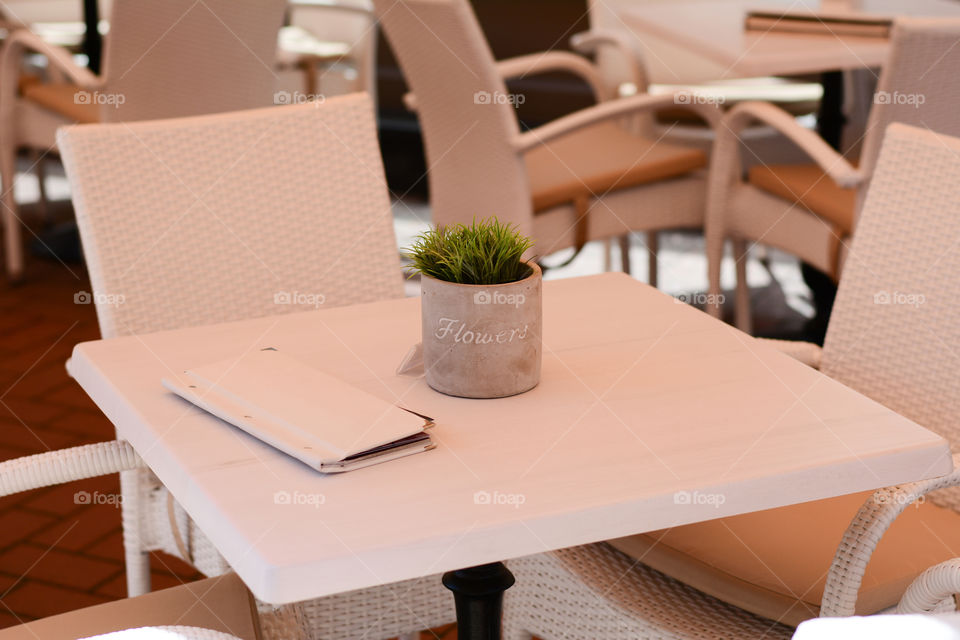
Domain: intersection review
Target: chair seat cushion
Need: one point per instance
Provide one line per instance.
(61, 98)
(601, 158)
(774, 563)
(220, 604)
(810, 187)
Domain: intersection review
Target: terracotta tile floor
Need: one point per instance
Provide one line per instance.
(59, 551)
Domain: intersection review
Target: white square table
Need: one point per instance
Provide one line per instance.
(645, 406)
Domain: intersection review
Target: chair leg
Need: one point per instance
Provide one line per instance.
(137, 559)
(653, 248)
(13, 243)
(715, 247)
(607, 255)
(743, 319)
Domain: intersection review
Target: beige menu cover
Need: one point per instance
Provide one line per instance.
(302, 411)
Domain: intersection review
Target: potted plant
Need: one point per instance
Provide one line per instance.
(481, 309)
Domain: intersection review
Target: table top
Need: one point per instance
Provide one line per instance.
(649, 414)
(713, 30)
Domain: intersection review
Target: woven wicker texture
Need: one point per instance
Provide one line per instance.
(864, 533)
(934, 588)
(180, 58)
(919, 84)
(66, 465)
(893, 330)
(894, 326)
(597, 592)
(217, 218)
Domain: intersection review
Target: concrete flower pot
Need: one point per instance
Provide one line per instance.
(482, 341)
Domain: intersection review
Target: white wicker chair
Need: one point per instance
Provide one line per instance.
(579, 178)
(892, 351)
(161, 60)
(810, 210)
(217, 218)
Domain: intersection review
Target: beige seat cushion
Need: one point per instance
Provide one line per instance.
(222, 604)
(599, 158)
(59, 98)
(774, 563)
(809, 186)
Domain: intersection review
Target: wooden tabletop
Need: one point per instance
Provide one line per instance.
(708, 36)
(649, 414)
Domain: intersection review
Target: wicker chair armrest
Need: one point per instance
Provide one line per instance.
(609, 110)
(66, 465)
(806, 352)
(22, 40)
(745, 114)
(588, 42)
(544, 62)
(933, 589)
(864, 533)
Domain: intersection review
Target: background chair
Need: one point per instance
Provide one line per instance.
(810, 210)
(889, 337)
(630, 64)
(579, 178)
(231, 216)
(166, 59)
(329, 48)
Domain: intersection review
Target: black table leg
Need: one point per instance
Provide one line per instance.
(92, 41)
(830, 118)
(478, 593)
(830, 121)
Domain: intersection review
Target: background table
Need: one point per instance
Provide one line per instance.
(650, 414)
(699, 40)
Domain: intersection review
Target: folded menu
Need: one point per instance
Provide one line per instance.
(304, 412)
(826, 23)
